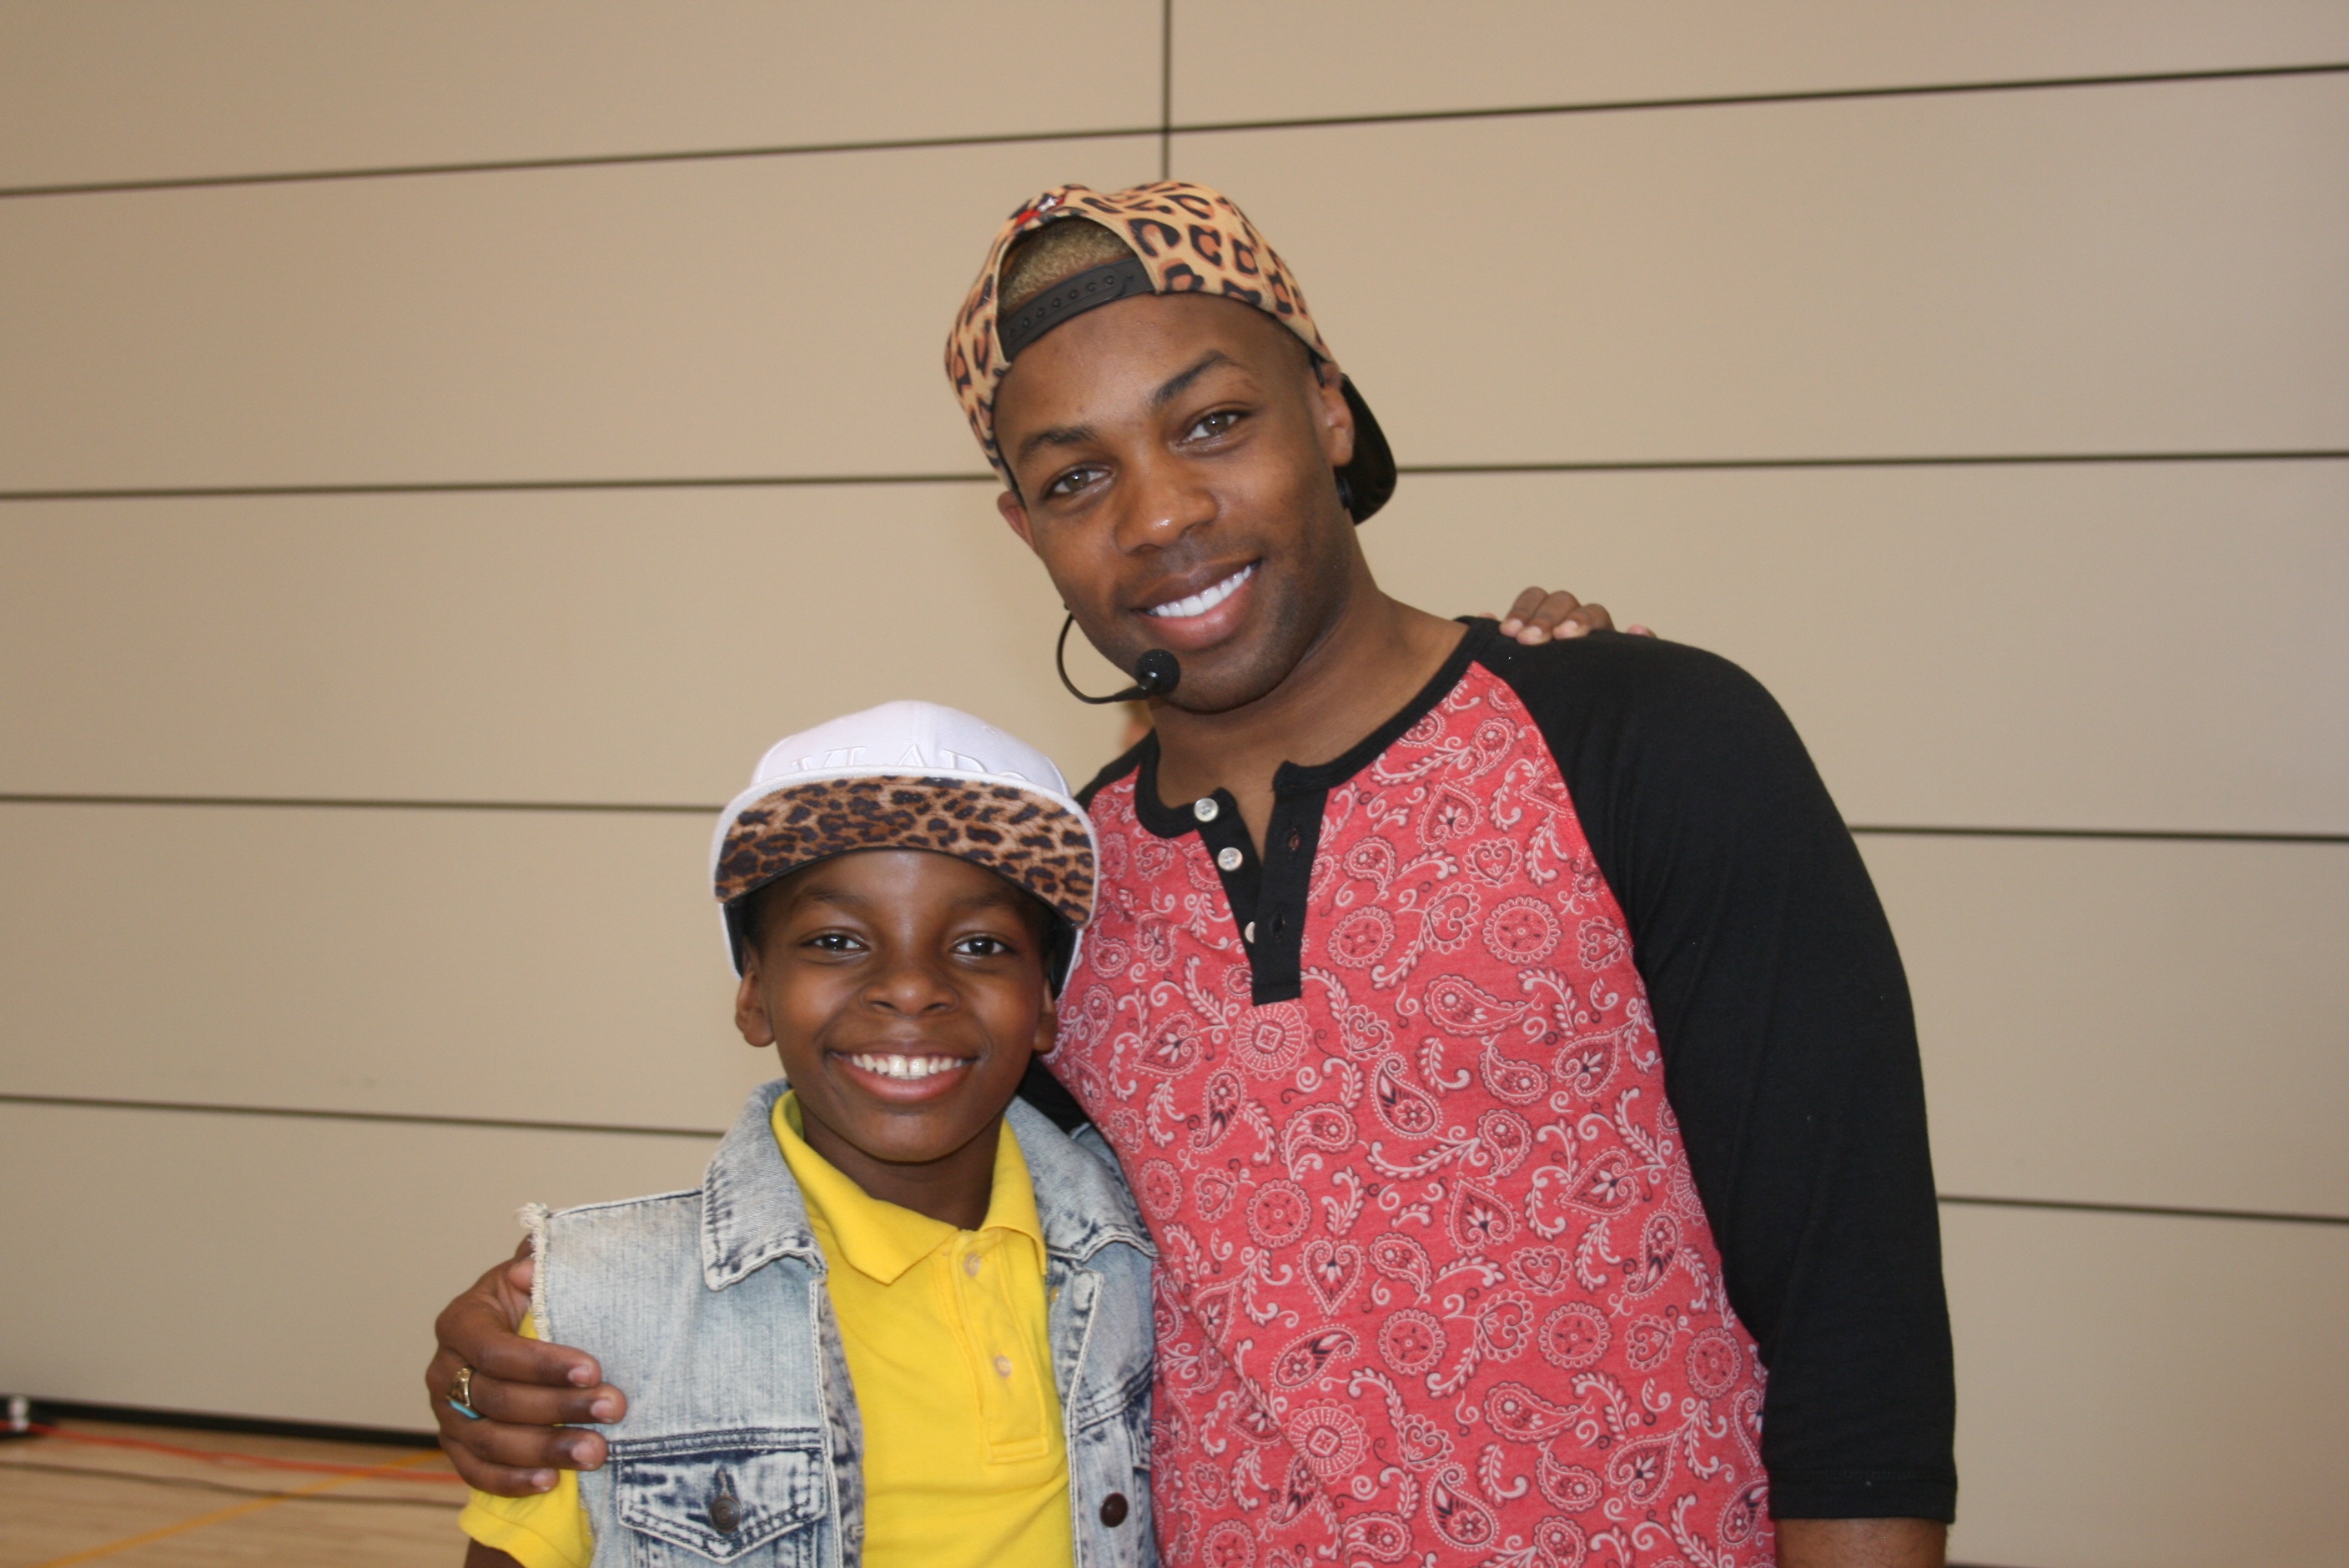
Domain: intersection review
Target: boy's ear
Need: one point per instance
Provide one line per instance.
(750, 1006)
(1048, 1025)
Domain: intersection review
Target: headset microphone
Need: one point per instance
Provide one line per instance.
(1155, 674)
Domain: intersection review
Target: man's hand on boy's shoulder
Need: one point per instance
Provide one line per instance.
(1540, 616)
(528, 1394)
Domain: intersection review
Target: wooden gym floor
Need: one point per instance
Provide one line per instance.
(65, 1500)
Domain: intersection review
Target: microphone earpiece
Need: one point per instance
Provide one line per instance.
(1155, 674)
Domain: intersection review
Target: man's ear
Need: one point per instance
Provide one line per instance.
(1337, 415)
(749, 1008)
(1015, 512)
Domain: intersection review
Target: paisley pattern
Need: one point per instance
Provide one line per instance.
(1435, 1286)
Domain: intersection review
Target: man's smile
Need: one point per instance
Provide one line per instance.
(1206, 599)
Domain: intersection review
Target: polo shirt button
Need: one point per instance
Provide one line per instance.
(970, 1265)
(1206, 808)
(1114, 1510)
(1230, 857)
(1003, 1366)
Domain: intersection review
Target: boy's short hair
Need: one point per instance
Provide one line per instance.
(909, 776)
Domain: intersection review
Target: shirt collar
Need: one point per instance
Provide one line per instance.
(882, 1240)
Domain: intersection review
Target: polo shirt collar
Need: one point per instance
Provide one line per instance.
(1075, 1202)
(882, 1240)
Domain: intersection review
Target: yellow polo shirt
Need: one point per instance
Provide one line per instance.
(965, 1459)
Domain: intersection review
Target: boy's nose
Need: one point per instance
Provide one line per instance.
(909, 988)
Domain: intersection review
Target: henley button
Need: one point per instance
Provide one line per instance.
(1248, 934)
(1205, 808)
(1229, 857)
(1114, 1510)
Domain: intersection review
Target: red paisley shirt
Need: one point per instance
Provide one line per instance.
(1435, 1284)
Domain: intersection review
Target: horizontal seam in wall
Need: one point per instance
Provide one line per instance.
(2159, 1210)
(622, 808)
(2138, 835)
(403, 1119)
(1205, 127)
(1424, 470)
(345, 803)
(504, 1124)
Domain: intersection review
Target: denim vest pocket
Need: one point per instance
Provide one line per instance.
(752, 1498)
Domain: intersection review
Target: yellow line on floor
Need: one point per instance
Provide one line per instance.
(236, 1510)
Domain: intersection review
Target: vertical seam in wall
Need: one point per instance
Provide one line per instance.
(1166, 90)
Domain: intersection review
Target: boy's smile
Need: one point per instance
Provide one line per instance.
(906, 993)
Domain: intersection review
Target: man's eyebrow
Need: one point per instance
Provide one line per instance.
(1174, 387)
(1058, 436)
(1171, 389)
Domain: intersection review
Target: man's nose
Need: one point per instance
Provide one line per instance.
(1165, 499)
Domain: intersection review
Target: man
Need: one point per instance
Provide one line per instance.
(1506, 1043)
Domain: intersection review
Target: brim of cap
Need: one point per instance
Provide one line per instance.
(1035, 838)
(1064, 942)
(1370, 477)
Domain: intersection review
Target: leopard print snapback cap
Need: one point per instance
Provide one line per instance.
(1181, 237)
(909, 776)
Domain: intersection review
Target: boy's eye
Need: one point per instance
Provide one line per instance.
(982, 947)
(834, 941)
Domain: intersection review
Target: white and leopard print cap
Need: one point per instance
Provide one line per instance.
(909, 776)
(1183, 238)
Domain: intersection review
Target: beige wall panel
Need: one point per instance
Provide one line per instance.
(784, 316)
(2094, 647)
(633, 647)
(2146, 1393)
(266, 1267)
(2100, 270)
(536, 966)
(155, 90)
(2129, 1022)
(2106, 646)
(2107, 1022)
(1397, 56)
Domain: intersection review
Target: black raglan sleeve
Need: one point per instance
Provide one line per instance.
(1790, 1054)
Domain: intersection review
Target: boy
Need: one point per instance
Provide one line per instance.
(882, 1331)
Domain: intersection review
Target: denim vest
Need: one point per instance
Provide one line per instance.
(741, 1444)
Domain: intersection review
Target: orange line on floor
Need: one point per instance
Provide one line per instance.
(234, 1510)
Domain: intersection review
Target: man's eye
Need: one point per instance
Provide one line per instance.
(1072, 482)
(1218, 423)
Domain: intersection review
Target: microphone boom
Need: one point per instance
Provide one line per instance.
(1155, 673)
